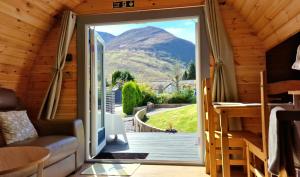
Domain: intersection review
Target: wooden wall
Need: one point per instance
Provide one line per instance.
(27, 41)
(249, 59)
(94, 7)
(41, 73)
(24, 25)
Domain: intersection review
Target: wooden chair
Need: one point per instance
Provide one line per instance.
(236, 145)
(259, 149)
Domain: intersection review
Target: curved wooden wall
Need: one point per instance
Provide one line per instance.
(24, 24)
(25, 38)
(41, 73)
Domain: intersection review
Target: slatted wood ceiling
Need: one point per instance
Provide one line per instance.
(27, 26)
(23, 27)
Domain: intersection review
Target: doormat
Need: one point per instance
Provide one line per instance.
(107, 155)
(111, 169)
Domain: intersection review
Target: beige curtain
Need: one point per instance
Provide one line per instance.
(224, 84)
(51, 100)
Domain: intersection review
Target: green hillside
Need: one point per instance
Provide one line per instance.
(143, 66)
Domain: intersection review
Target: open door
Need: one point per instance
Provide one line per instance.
(97, 93)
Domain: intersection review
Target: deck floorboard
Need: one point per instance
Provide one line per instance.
(160, 146)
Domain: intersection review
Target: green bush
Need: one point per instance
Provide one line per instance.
(163, 98)
(147, 95)
(139, 97)
(131, 97)
(186, 95)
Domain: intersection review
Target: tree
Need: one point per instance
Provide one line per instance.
(120, 77)
(177, 76)
(185, 75)
(192, 72)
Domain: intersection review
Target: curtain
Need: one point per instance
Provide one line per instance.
(51, 100)
(224, 86)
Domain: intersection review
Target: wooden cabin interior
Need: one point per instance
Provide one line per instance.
(264, 35)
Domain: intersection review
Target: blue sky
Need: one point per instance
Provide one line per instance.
(184, 29)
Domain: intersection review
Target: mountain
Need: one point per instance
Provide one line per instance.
(107, 37)
(149, 53)
(144, 67)
(154, 41)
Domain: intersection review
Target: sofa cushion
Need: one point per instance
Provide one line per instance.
(59, 146)
(16, 126)
(2, 140)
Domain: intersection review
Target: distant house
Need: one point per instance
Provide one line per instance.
(166, 86)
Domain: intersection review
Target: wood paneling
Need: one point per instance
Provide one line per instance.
(41, 75)
(94, 7)
(249, 59)
(24, 24)
(273, 21)
(26, 55)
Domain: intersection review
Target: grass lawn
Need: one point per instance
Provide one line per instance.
(182, 119)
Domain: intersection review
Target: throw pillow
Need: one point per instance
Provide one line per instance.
(16, 126)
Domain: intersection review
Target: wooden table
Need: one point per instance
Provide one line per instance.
(226, 111)
(296, 98)
(13, 159)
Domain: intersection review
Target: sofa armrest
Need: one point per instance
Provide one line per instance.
(64, 127)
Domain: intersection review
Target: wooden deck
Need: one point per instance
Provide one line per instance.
(160, 146)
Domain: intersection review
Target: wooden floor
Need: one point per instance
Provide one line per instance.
(160, 146)
(161, 171)
(165, 171)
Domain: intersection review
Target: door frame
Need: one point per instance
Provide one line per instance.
(84, 21)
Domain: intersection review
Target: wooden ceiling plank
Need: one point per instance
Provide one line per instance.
(20, 25)
(20, 62)
(273, 9)
(30, 9)
(70, 3)
(45, 7)
(21, 35)
(257, 11)
(18, 43)
(238, 4)
(94, 7)
(23, 16)
(282, 18)
(247, 7)
(230, 2)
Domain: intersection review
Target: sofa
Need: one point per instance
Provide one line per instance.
(63, 138)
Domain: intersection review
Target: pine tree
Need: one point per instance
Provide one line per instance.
(192, 72)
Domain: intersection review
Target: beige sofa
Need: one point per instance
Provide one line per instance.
(63, 138)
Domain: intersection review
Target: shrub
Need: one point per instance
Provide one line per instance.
(163, 98)
(147, 95)
(186, 95)
(131, 97)
(139, 97)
